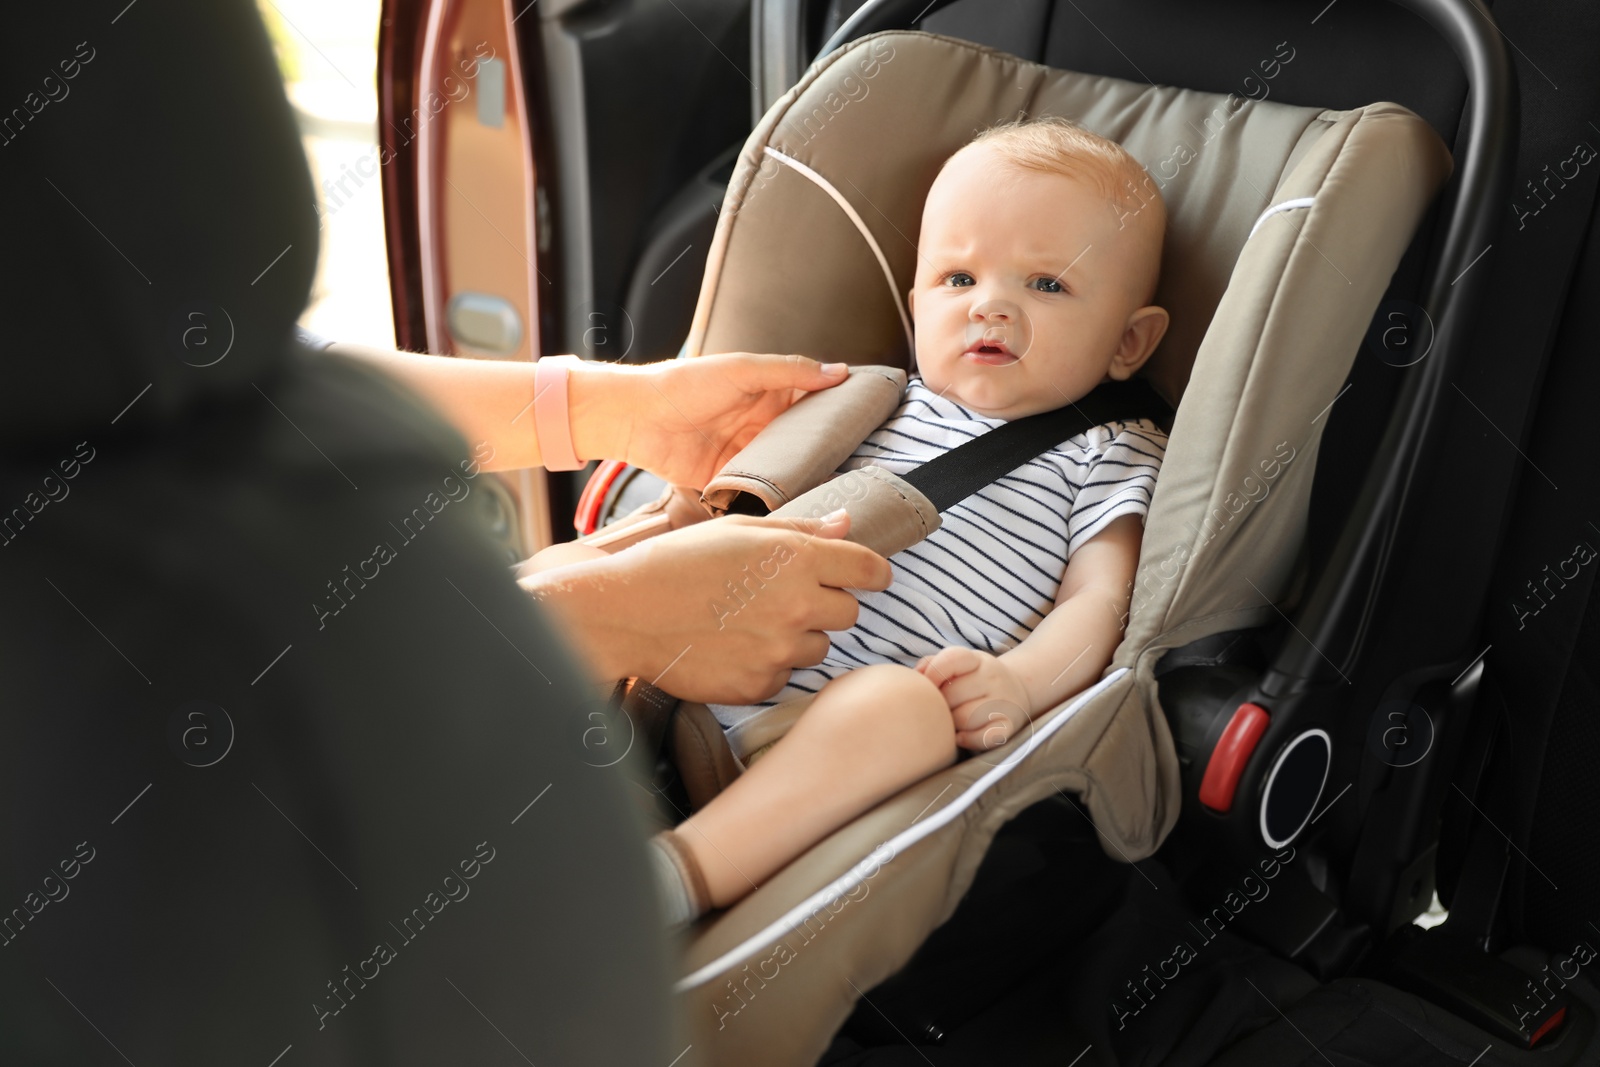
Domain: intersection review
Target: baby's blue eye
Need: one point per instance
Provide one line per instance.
(953, 278)
(1049, 285)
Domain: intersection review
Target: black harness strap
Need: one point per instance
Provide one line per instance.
(955, 475)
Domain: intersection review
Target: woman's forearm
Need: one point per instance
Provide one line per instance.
(678, 419)
(486, 399)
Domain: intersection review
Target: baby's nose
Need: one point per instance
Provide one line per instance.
(995, 311)
(1000, 322)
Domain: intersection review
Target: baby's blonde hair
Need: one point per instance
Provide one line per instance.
(1050, 144)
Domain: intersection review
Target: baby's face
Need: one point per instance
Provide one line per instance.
(1025, 294)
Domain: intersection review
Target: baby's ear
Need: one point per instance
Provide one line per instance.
(1159, 321)
(911, 300)
(1146, 327)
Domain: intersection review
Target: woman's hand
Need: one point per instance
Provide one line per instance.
(682, 419)
(988, 702)
(718, 611)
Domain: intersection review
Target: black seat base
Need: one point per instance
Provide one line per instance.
(1355, 1022)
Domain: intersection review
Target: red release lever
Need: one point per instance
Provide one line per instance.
(1549, 1025)
(1233, 751)
(587, 518)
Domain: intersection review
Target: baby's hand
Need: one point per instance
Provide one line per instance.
(987, 700)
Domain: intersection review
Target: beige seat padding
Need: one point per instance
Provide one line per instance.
(1264, 333)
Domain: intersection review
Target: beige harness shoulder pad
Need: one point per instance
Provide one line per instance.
(802, 447)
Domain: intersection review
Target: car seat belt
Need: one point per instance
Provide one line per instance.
(951, 477)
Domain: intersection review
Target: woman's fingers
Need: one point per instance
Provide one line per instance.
(833, 609)
(760, 372)
(828, 559)
(810, 648)
(718, 611)
(832, 526)
(680, 419)
(846, 565)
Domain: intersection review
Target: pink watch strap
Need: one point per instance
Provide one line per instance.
(552, 419)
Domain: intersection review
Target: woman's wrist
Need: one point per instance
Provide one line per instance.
(577, 595)
(601, 408)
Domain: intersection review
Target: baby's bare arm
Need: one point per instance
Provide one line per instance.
(991, 697)
(1067, 652)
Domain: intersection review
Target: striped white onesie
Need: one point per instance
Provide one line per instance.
(991, 572)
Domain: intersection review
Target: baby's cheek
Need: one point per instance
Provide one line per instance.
(935, 373)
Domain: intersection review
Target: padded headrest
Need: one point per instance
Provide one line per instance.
(159, 210)
(790, 271)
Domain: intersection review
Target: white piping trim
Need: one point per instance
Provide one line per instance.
(1287, 205)
(872, 243)
(869, 866)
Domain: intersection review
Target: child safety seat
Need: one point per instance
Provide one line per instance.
(1285, 226)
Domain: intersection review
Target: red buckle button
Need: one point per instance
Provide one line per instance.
(1233, 751)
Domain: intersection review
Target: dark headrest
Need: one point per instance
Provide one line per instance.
(159, 213)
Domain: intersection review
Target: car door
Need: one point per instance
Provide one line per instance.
(552, 172)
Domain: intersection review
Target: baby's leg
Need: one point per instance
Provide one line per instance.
(868, 734)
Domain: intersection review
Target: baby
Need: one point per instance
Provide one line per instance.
(1035, 272)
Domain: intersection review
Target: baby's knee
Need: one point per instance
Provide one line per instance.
(897, 706)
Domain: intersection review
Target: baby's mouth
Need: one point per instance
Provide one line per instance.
(998, 334)
(990, 353)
